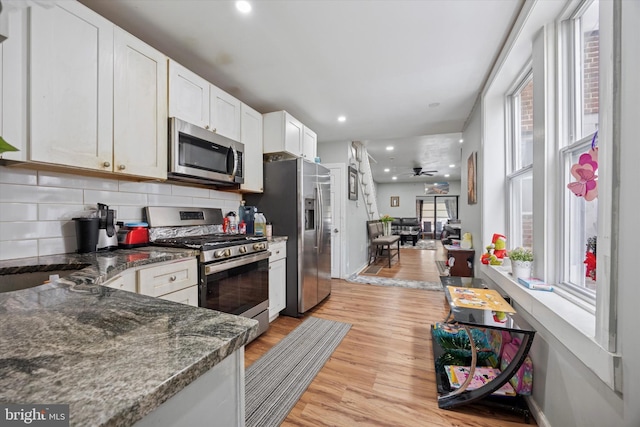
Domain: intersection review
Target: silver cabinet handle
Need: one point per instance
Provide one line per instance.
(335, 230)
(106, 164)
(173, 278)
(207, 127)
(122, 167)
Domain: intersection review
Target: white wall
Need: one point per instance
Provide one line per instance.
(407, 193)
(36, 207)
(565, 390)
(471, 215)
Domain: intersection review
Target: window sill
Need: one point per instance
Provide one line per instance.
(571, 324)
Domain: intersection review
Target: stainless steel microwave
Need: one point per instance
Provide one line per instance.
(202, 156)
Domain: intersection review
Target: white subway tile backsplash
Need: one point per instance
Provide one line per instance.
(31, 230)
(53, 212)
(160, 200)
(144, 187)
(18, 212)
(36, 208)
(115, 198)
(35, 194)
(59, 245)
(224, 195)
(18, 176)
(178, 190)
(18, 249)
(54, 179)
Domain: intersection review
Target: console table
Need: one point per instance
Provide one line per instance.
(478, 318)
(463, 261)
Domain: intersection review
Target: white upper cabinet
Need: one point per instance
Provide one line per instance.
(225, 113)
(188, 95)
(309, 144)
(13, 83)
(251, 137)
(140, 108)
(283, 133)
(195, 100)
(71, 98)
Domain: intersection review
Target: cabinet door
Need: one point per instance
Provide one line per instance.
(166, 278)
(71, 96)
(277, 287)
(251, 137)
(140, 108)
(125, 281)
(293, 135)
(13, 83)
(309, 144)
(225, 113)
(188, 95)
(187, 296)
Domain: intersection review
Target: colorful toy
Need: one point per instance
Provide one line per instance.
(466, 242)
(496, 251)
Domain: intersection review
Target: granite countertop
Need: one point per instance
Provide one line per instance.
(113, 356)
(276, 239)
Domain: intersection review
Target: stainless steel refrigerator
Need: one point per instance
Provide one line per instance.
(296, 200)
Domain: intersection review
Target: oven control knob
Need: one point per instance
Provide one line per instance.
(259, 246)
(243, 249)
(219, 254)
(227, 252)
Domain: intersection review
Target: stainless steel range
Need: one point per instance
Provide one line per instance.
(233, 268)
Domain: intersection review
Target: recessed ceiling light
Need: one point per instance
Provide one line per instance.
(461, 141)
(342, 119)
(390, 148)
(394, 177)
(447, 175)
(452, 166)
(243, 6)
(387, 169)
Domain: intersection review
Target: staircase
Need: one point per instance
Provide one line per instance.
(365, 179)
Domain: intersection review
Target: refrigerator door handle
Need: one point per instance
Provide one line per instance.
(317, 225)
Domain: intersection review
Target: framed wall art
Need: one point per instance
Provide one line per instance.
(472, 197)
(395, 201)
(353, 184)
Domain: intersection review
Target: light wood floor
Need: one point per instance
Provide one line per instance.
(382, 373)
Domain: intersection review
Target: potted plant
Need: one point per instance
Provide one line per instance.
(386, 224)
(521, 262)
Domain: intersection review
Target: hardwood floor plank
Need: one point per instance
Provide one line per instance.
(382, 373)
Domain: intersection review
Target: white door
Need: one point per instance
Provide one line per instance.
(225, 113)
(338, 214)
(140, 108)
(71, 86)
(251, 137)
(188, 95)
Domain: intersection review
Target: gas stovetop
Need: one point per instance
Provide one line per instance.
(218, 247)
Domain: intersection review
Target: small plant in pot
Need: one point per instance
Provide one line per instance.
(521, 262)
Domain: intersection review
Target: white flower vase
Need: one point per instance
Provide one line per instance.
(521, 269)
(386, 228)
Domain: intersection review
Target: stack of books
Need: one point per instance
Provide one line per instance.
(536, 284)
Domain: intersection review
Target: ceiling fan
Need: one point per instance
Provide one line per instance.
(419, 172)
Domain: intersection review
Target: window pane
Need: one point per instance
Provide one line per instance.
(582, 226)
(521, 233)
(524, 149)
(589, 61)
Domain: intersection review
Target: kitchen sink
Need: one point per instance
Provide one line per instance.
(16, 282)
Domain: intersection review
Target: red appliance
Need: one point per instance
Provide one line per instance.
(134, 234)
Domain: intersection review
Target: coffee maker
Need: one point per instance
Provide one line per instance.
(107, 236)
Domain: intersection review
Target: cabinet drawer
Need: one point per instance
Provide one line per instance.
(187, 296)
(124, 281)
(161, 280)
(278, 251)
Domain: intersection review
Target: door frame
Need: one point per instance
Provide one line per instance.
(339, 248)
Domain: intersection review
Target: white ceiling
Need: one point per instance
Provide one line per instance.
(383, 64)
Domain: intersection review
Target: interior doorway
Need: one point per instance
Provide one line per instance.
(338, 217)
(435, 212)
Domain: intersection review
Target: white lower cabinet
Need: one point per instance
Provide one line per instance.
(277, 278)
(175, 281)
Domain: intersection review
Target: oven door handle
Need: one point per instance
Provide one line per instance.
(238, 262)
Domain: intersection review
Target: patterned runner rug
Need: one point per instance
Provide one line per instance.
(385, 281)
(275, 382)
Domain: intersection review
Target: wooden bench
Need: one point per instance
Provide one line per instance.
(381, 246)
